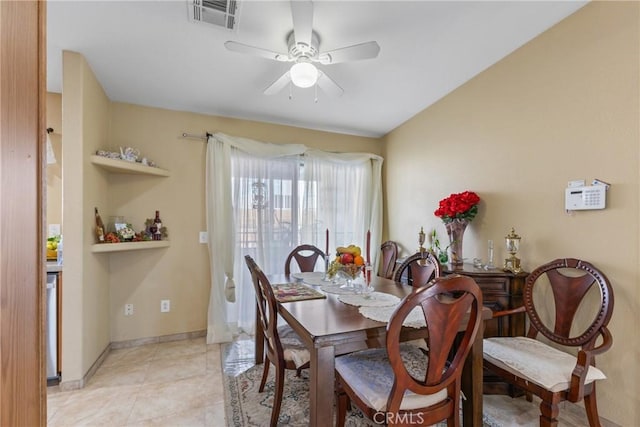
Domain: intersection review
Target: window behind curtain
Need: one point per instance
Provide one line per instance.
(284, 202)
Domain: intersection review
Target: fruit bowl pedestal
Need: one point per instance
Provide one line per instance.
(350, 272)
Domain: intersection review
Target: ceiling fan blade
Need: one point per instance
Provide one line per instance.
(256, 51)
(328, 85)
(279, 84)
(302, 14)
(356, 52)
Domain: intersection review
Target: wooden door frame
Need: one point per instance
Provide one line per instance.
(22, 212)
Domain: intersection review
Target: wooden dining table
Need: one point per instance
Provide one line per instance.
(330, 328)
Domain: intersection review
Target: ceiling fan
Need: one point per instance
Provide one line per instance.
(303, 50)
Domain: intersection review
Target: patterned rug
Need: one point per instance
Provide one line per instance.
(245, 406)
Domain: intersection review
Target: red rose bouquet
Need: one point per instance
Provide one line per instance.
(458, 206)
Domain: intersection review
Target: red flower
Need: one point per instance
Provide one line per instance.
(458, 206)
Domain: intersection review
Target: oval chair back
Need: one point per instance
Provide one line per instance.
(418, 269)
(306, 258)
(388, 259)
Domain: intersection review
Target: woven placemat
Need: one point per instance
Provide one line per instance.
(287, 292)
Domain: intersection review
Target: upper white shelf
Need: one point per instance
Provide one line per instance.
(123, 166)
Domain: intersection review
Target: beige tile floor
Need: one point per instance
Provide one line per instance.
(165, 384)
(179, 383)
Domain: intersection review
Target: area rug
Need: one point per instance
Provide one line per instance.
(245, 406)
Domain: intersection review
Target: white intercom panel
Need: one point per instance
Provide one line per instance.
(583, 198)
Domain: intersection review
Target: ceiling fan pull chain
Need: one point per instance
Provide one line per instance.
(315, 87)
(290, 91)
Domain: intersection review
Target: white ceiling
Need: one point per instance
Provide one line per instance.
(150, 53)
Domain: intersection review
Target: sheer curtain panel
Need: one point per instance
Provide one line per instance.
(264, 200)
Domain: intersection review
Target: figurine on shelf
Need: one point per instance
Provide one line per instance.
(129, 154)
(99, 227)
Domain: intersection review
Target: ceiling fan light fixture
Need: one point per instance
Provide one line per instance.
(304, 74)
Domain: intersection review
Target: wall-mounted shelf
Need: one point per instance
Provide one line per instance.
(123, 166)
(129, 246)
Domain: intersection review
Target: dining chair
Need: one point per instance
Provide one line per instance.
(283, 346)
(418, 269)
(389, 256)
(400, 384)
(306, 258)
(570, 303)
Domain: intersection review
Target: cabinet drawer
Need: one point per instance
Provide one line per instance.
(493, 284)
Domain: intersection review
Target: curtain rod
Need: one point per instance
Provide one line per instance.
(190, 135)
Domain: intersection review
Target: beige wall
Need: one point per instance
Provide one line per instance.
(179, 273)
(85, 296)
(565, 106)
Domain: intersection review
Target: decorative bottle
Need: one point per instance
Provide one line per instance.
(99, 227)
(157, 223)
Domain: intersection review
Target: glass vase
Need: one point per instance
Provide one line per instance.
(455, 231)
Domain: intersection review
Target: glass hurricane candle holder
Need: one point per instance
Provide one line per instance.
(512, 243)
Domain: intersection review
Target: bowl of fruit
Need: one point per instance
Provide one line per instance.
(52, 247)
(347, 264)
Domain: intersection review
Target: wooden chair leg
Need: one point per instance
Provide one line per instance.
(454, 419)
(591, 406)
(265, 374)
(343, 402)
(549, 414)
(277, 396)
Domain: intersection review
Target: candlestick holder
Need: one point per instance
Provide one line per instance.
(489, 265)
(327, 277)
(421, 240)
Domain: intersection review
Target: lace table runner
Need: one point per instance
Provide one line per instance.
(308, 275)
(415, 319)
(375, 299)
(316, 281)
(336, 289)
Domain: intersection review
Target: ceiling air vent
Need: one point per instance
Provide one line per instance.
(222, 13)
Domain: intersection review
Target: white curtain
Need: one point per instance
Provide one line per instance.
(264, 192)
(264, 199)
(349, 197)
(220, 230)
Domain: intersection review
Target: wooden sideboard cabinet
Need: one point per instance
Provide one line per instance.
(500, 290)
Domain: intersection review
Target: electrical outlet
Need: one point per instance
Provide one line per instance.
(128, 309)
(165, 306)
(204, 237)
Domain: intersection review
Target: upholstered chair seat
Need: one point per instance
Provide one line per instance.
(371, 377)
(294, 350)
(536, 362)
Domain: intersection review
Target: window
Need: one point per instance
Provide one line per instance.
(265, 199)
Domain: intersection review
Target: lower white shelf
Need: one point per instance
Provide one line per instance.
(129, 246)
